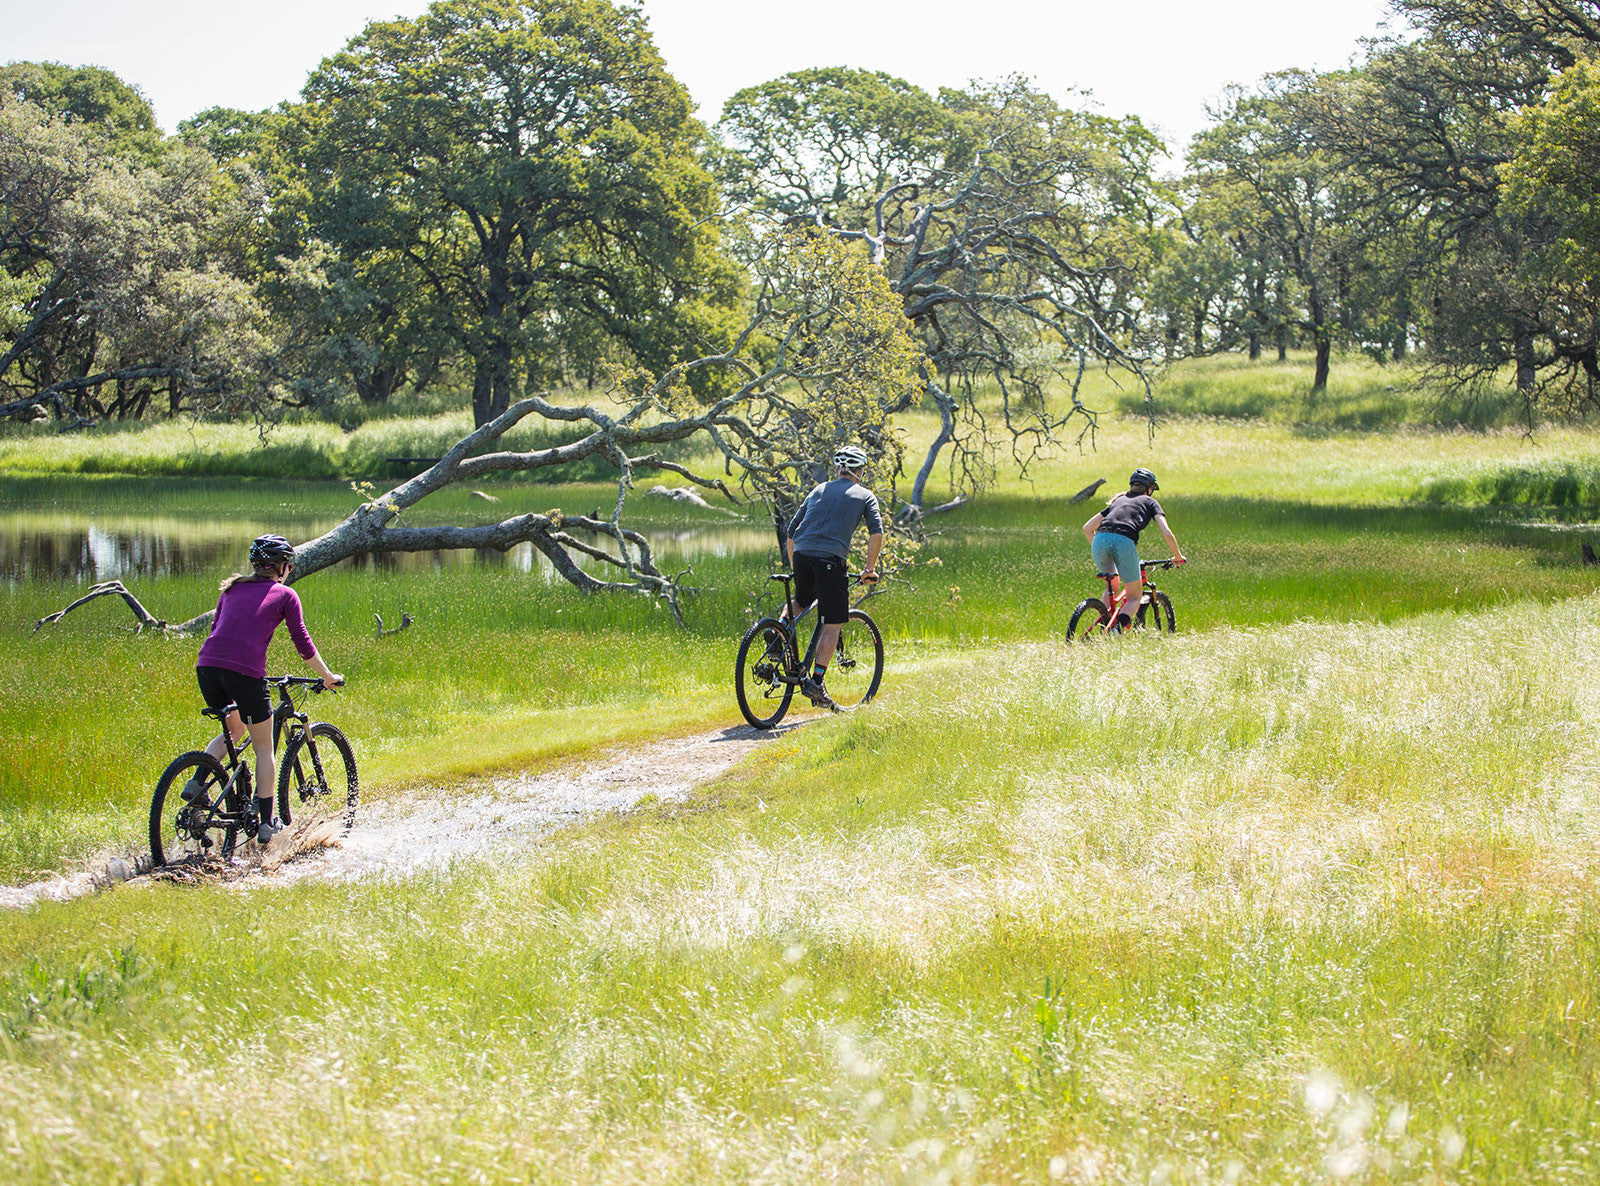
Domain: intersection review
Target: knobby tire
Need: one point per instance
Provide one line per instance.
(317, 779)
(1157, 615)
(181, 831)
(1087, 620)
(857, 666)
(765, 653)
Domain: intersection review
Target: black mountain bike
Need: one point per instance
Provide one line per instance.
(316, 783)
(770, 667)
(1093, 615)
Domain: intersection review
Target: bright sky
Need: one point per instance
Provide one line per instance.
(1163, 60)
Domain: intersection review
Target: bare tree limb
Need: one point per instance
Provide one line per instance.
(144, 618)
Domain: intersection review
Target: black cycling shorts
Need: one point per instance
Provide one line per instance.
(823, 579)
(222, 687)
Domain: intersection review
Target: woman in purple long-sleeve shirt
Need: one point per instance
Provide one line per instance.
(232, 665)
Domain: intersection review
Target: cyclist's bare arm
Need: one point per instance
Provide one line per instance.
(1172, 540)
(874, 546)
(1092, 526)
(329, 679)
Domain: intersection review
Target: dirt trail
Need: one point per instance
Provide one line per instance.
(410, 834)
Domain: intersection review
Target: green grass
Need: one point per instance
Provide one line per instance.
(1323, 903)
(1362, 395)
(503, 669)
(297, 450)
(1308, 890)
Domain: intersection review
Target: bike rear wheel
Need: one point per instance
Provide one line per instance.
(764, 656)
(187, 832)
(857, 666)
(1156, 614)
(1088, 620)
(317, 782)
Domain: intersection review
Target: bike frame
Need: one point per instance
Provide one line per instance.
(1115, 601)
(795, 675)
(285, 716)
(282, 712)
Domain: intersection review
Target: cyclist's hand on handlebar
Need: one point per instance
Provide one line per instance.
(869, 577)
(1180, 558)
(327, 686)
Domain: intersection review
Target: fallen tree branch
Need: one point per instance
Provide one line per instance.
(912, 513)
(405, 621)
(1087, 492)
(143, 616)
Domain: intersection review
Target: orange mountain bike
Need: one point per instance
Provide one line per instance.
(1094, 615)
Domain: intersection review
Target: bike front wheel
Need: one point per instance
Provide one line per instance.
(857, 666)
(764, 658)
(182, 832)
(1156, 614)
(317, 783)
(1088, 620)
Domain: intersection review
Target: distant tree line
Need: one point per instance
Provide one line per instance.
(499, 197)
(1440, 195)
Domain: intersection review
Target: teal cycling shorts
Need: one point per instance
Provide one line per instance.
(1115, 553)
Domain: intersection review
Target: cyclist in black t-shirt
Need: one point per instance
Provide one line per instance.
(1114, 533)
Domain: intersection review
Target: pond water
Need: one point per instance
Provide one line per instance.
(80, 549)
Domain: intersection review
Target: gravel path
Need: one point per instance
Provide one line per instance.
(421, 831)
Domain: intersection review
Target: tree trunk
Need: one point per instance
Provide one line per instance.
(782, 511)
(947, 432)
(1402, 333)
(1324, 349)
(1322, 339)
(482, 391)
(1527, 372)
(501, 398)
(376, 384)
(1283, 327)
(1258, 317)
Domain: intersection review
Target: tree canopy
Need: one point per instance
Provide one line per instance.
(528, 170)
(499, 196)
(1008, 225)
(118, 288)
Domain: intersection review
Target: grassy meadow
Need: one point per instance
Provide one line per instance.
(1306, 891)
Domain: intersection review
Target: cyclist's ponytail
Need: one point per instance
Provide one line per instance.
(262, 572)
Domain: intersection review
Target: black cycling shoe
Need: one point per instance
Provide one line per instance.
(194, 793)
(817, 694)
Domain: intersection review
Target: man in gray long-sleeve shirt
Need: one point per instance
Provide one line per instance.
(819, 543)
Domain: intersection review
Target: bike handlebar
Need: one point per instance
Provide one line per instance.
(314, 682)
(859, 578)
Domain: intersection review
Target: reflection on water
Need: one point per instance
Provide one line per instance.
(77, 549)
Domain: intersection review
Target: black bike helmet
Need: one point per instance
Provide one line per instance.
(1143, 477)
(270, 551)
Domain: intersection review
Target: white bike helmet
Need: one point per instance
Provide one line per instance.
(849, 457)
